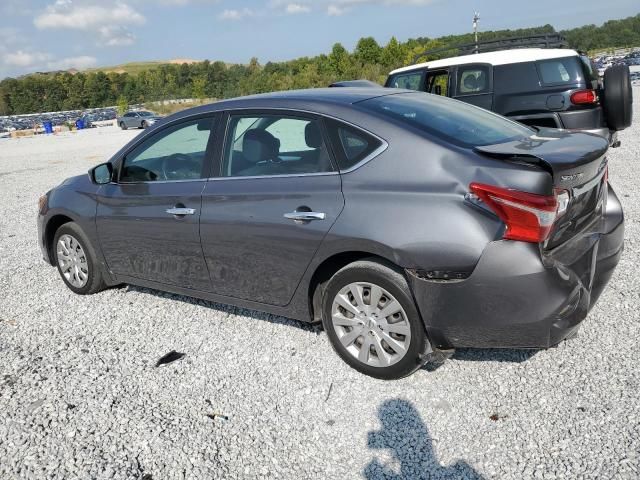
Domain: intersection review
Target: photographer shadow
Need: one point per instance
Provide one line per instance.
(405, 434)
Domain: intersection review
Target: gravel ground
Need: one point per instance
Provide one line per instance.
(260, 396)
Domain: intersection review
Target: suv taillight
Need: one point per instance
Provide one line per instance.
(528, 217)
(584, 97)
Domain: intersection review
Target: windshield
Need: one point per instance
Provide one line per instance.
(457, 122)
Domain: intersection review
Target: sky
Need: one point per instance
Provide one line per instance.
(43, 35)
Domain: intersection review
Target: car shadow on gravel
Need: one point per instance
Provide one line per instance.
(228, 309)
(404, 433)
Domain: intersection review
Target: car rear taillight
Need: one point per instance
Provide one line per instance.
(528, 217)
(584, 97)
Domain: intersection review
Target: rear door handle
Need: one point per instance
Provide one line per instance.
(178, 211)
(305, 216)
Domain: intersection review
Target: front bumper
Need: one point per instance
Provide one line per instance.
(518, 297)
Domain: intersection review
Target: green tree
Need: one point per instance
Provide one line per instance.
(367, 51)
(123, 105)
(339, 60)
(199, 88)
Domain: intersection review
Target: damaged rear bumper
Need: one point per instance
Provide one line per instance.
(518, 297)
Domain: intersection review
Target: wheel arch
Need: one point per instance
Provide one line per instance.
(52, 226)
(329, 267)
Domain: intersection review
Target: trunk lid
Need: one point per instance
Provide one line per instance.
(577, 164)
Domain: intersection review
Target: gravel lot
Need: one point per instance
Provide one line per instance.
(263, 396)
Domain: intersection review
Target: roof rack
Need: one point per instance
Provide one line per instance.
(543, 40)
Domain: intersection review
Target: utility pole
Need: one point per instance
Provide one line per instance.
(476, 19)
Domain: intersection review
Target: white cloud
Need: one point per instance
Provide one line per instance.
(336, 8)
(79, 63)
(34, 60)
(116, 36)
(24, 59)
(233, 14)
(295, 8)
(107, 19)
(65, 14)
(335, 11)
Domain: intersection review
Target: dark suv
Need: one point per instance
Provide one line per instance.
(541, 87)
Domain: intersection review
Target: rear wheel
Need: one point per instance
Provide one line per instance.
(372, 321)
(123, 126)
(76, 260)
(618, 97)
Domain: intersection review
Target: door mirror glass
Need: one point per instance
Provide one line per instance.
(101, 174)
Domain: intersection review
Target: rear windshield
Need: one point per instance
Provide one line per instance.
(560, 70)
(457, 122)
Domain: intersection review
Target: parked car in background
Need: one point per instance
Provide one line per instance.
(406, 223)
(137, 119)
(540, 87)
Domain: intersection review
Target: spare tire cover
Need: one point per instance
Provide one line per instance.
(618, 97)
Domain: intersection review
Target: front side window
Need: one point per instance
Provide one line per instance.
(473, 80)
(409, 81)
(456, 122)
(175, 153)
(274, 145)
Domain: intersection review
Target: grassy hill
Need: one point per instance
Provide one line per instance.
(134, 68)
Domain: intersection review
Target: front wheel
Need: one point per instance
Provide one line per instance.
(144, 124)
(372, 321)
(76, 260)
(123, 126)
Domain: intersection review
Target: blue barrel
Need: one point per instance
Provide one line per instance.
(48, 127)
(79, 124)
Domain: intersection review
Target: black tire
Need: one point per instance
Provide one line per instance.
(123, 126)
(391, 279)
(94, 282)
(618, 97)
(144, 125)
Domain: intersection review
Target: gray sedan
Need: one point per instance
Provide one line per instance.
(137, 119)
(406, 223)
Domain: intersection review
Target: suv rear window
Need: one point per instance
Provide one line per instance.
(457, 122)
(560, 70)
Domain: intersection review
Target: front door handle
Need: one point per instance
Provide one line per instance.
(305, 216)
(180, 211)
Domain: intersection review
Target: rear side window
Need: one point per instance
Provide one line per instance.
(473, 80)
(410, 81)
(453, 121)
(560, 70)
(352, 146)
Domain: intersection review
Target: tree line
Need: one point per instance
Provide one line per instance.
(56, 91)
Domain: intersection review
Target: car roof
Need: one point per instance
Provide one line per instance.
(310, 98)
(325, 95)
(502, 57)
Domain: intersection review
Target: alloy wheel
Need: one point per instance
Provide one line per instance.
(72, 261)
(371, 324)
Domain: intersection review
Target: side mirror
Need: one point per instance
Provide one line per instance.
(101, 174)
(437, 89)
